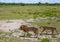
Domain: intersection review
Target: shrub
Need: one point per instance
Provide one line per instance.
(45, 40)
(28, 34)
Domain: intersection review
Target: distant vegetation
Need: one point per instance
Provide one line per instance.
(30, 3)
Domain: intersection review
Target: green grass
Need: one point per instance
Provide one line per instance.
(45, 40)
(30, 11)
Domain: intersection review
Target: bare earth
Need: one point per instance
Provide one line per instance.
(7, 25)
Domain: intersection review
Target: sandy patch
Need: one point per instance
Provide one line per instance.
(7, 25)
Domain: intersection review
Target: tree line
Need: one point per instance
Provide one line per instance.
(22, 4)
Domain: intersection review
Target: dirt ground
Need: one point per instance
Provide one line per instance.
(6, 25)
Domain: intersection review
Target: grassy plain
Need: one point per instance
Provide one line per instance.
(28, 11)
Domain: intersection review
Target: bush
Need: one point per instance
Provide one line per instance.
(28, 34)
(45, 40)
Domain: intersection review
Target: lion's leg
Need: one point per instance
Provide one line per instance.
(56, 31)
(52, 31)
(24, 34)
(42, 31)
(36, 33)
